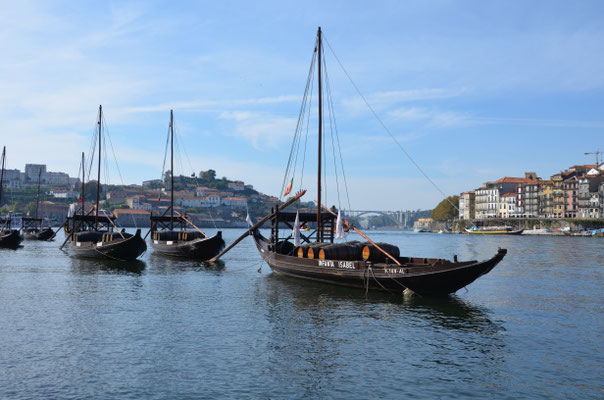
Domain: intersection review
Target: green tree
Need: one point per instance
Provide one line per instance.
(91, 191)
(209, 174)
(446, 210)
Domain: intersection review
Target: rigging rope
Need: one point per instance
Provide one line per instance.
(386, 128)
(298, 125)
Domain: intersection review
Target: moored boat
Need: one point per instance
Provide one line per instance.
(9, 238)
(494, 230)
(96, 236)
(375, 266)
(182, 242)
(33, 227)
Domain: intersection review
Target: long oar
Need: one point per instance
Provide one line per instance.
(185, 218)
(258, 224)
(60, 227)
(364, 236)
(118, 231)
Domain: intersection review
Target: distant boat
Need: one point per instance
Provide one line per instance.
(494, 230)
(33, 228)
(421, 229)
(9, 238)
(181, 242)
(93, 236)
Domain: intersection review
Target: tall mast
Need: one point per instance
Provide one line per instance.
(98, 181)
(83, 184)
(38, 196)
(2, 172)
(319, 222)
(171, 170)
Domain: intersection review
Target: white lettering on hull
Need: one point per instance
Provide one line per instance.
(395, 270)
(338, 264)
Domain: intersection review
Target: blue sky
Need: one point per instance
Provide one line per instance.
(473, 90)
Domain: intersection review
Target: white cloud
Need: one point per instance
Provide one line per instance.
(262, 130)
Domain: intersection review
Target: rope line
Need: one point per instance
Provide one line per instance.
(386, 128)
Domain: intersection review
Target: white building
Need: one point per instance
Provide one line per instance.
(63, 194)
(238, 202)
(236, 186)
(487, 201)
(55, 178)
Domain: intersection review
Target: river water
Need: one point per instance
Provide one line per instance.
(162, 328)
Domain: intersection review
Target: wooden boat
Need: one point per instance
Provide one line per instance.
(183, 242)
(376, 266)
(94, 236)
(494, 231)
(9, 238)
(33, 228)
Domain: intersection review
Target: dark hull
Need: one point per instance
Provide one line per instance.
(201, 249)
(119, 249)
(430, 278)
(45, 234)
(10, 239)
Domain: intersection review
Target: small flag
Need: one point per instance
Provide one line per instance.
(28, 213)
(296, 232)
(80, 199)
(289, 187)
(249, 220)
(339, 226)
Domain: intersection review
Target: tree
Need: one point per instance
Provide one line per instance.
(91, 191)
(446, 210)
(167, 176)
(209, 174)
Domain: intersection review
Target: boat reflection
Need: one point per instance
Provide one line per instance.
(163, 264)
(318, 332)
(88, 266)
(450, 312)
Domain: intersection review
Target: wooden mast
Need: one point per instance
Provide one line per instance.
(98, 182)
(38, 195)
(83, 184)
(2, 173)
(319, 222)
(171, 170)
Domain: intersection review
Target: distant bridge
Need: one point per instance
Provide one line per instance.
(399, 218)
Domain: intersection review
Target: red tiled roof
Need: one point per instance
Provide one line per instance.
(584, 166)
(508, 179)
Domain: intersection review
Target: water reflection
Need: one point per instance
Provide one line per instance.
(162, 264)
(89, 266)
(449, 312)
(317, 332)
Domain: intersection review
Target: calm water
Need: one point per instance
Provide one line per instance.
(532, 328)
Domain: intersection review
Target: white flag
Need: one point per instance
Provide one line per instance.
(249, 220)
(72, 210)
(339, 226)
(296, 232)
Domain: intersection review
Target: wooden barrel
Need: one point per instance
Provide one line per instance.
(311, 250)
(341, 251)
(371, 253)
(285, 247)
